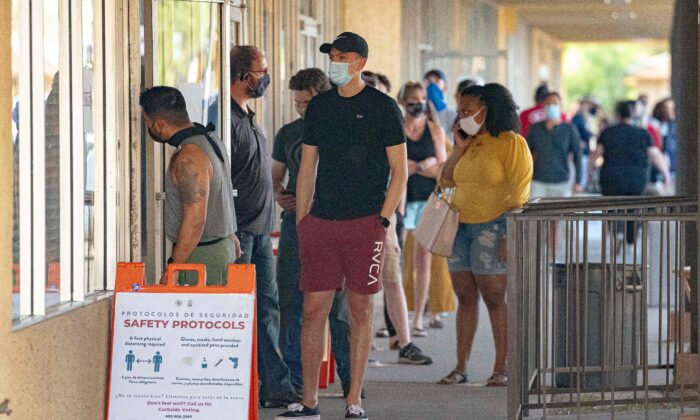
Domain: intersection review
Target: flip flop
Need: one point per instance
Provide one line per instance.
(419, 332)
(454, 377)
(382, 333)
(436, 323)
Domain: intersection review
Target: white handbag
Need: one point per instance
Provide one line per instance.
(438, 225)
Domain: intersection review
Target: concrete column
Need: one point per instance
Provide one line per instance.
(6, 191)
(684, 50)
(380, 24)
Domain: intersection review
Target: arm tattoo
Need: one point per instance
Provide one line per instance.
(192, 188)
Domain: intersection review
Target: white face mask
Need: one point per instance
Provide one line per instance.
(469, 124)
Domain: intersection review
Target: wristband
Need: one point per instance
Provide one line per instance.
(385, 222)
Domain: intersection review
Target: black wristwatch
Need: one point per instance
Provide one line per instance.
(170, 260)
(386, 222)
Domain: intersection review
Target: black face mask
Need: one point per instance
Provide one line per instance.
(416, 109)
(156, 138)
(259, 90)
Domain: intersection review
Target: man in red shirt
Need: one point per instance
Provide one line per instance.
(532, 116)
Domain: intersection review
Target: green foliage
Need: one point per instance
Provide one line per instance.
(599, 69)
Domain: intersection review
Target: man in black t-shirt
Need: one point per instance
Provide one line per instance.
(286, 157)
(354, 134)
(626, 151)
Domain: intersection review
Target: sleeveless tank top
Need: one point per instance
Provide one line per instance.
(419, 187)
(221, 217)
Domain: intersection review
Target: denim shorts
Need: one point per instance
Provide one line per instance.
(477, 248)
(414, 211)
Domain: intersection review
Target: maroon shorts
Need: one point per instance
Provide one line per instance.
(334, 253)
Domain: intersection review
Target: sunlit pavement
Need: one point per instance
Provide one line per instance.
(410, 392)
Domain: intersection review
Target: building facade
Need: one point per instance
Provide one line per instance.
(87, 181)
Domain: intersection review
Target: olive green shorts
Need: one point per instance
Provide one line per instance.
(215, 257)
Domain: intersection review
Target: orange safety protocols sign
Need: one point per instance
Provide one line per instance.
(183, 352)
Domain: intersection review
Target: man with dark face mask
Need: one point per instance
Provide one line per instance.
(199, 214)
(255, 212)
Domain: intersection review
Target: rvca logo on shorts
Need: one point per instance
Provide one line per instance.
(374, 268)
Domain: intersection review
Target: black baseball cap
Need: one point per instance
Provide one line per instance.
(347, 42)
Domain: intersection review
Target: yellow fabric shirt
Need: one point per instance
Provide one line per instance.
(491, 177)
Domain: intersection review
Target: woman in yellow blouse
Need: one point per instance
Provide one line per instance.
(491, 168)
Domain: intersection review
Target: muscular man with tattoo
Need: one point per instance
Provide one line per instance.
(199, 214)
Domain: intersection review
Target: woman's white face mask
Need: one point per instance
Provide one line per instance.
(469, 124)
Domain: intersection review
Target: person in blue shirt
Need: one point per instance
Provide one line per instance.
(130, 358)
(587, 111)
(157, 360)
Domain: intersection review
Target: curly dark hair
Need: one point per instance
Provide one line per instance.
(502, 112)
(310, 79)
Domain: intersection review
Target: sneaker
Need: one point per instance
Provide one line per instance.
(355, 412)
(373, 363)
(300, 411)
(412, 355)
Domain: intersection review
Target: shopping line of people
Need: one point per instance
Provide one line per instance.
(359, 167)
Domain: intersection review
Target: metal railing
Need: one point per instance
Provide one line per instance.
(599, 314)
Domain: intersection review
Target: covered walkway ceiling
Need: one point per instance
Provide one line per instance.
(597, 20)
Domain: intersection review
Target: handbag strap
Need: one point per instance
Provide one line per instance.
(438, 185)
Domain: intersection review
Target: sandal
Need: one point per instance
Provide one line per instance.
(436, 323)
(418, 332)
(455, 377)
(382, 333)
(497, 379)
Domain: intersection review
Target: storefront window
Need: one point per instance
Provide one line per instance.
(188, 34)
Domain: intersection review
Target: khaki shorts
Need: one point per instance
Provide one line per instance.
(392, 255)
(550, 190)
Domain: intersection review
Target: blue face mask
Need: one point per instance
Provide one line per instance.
(437, 97)
(339, 74)
(553, 112)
